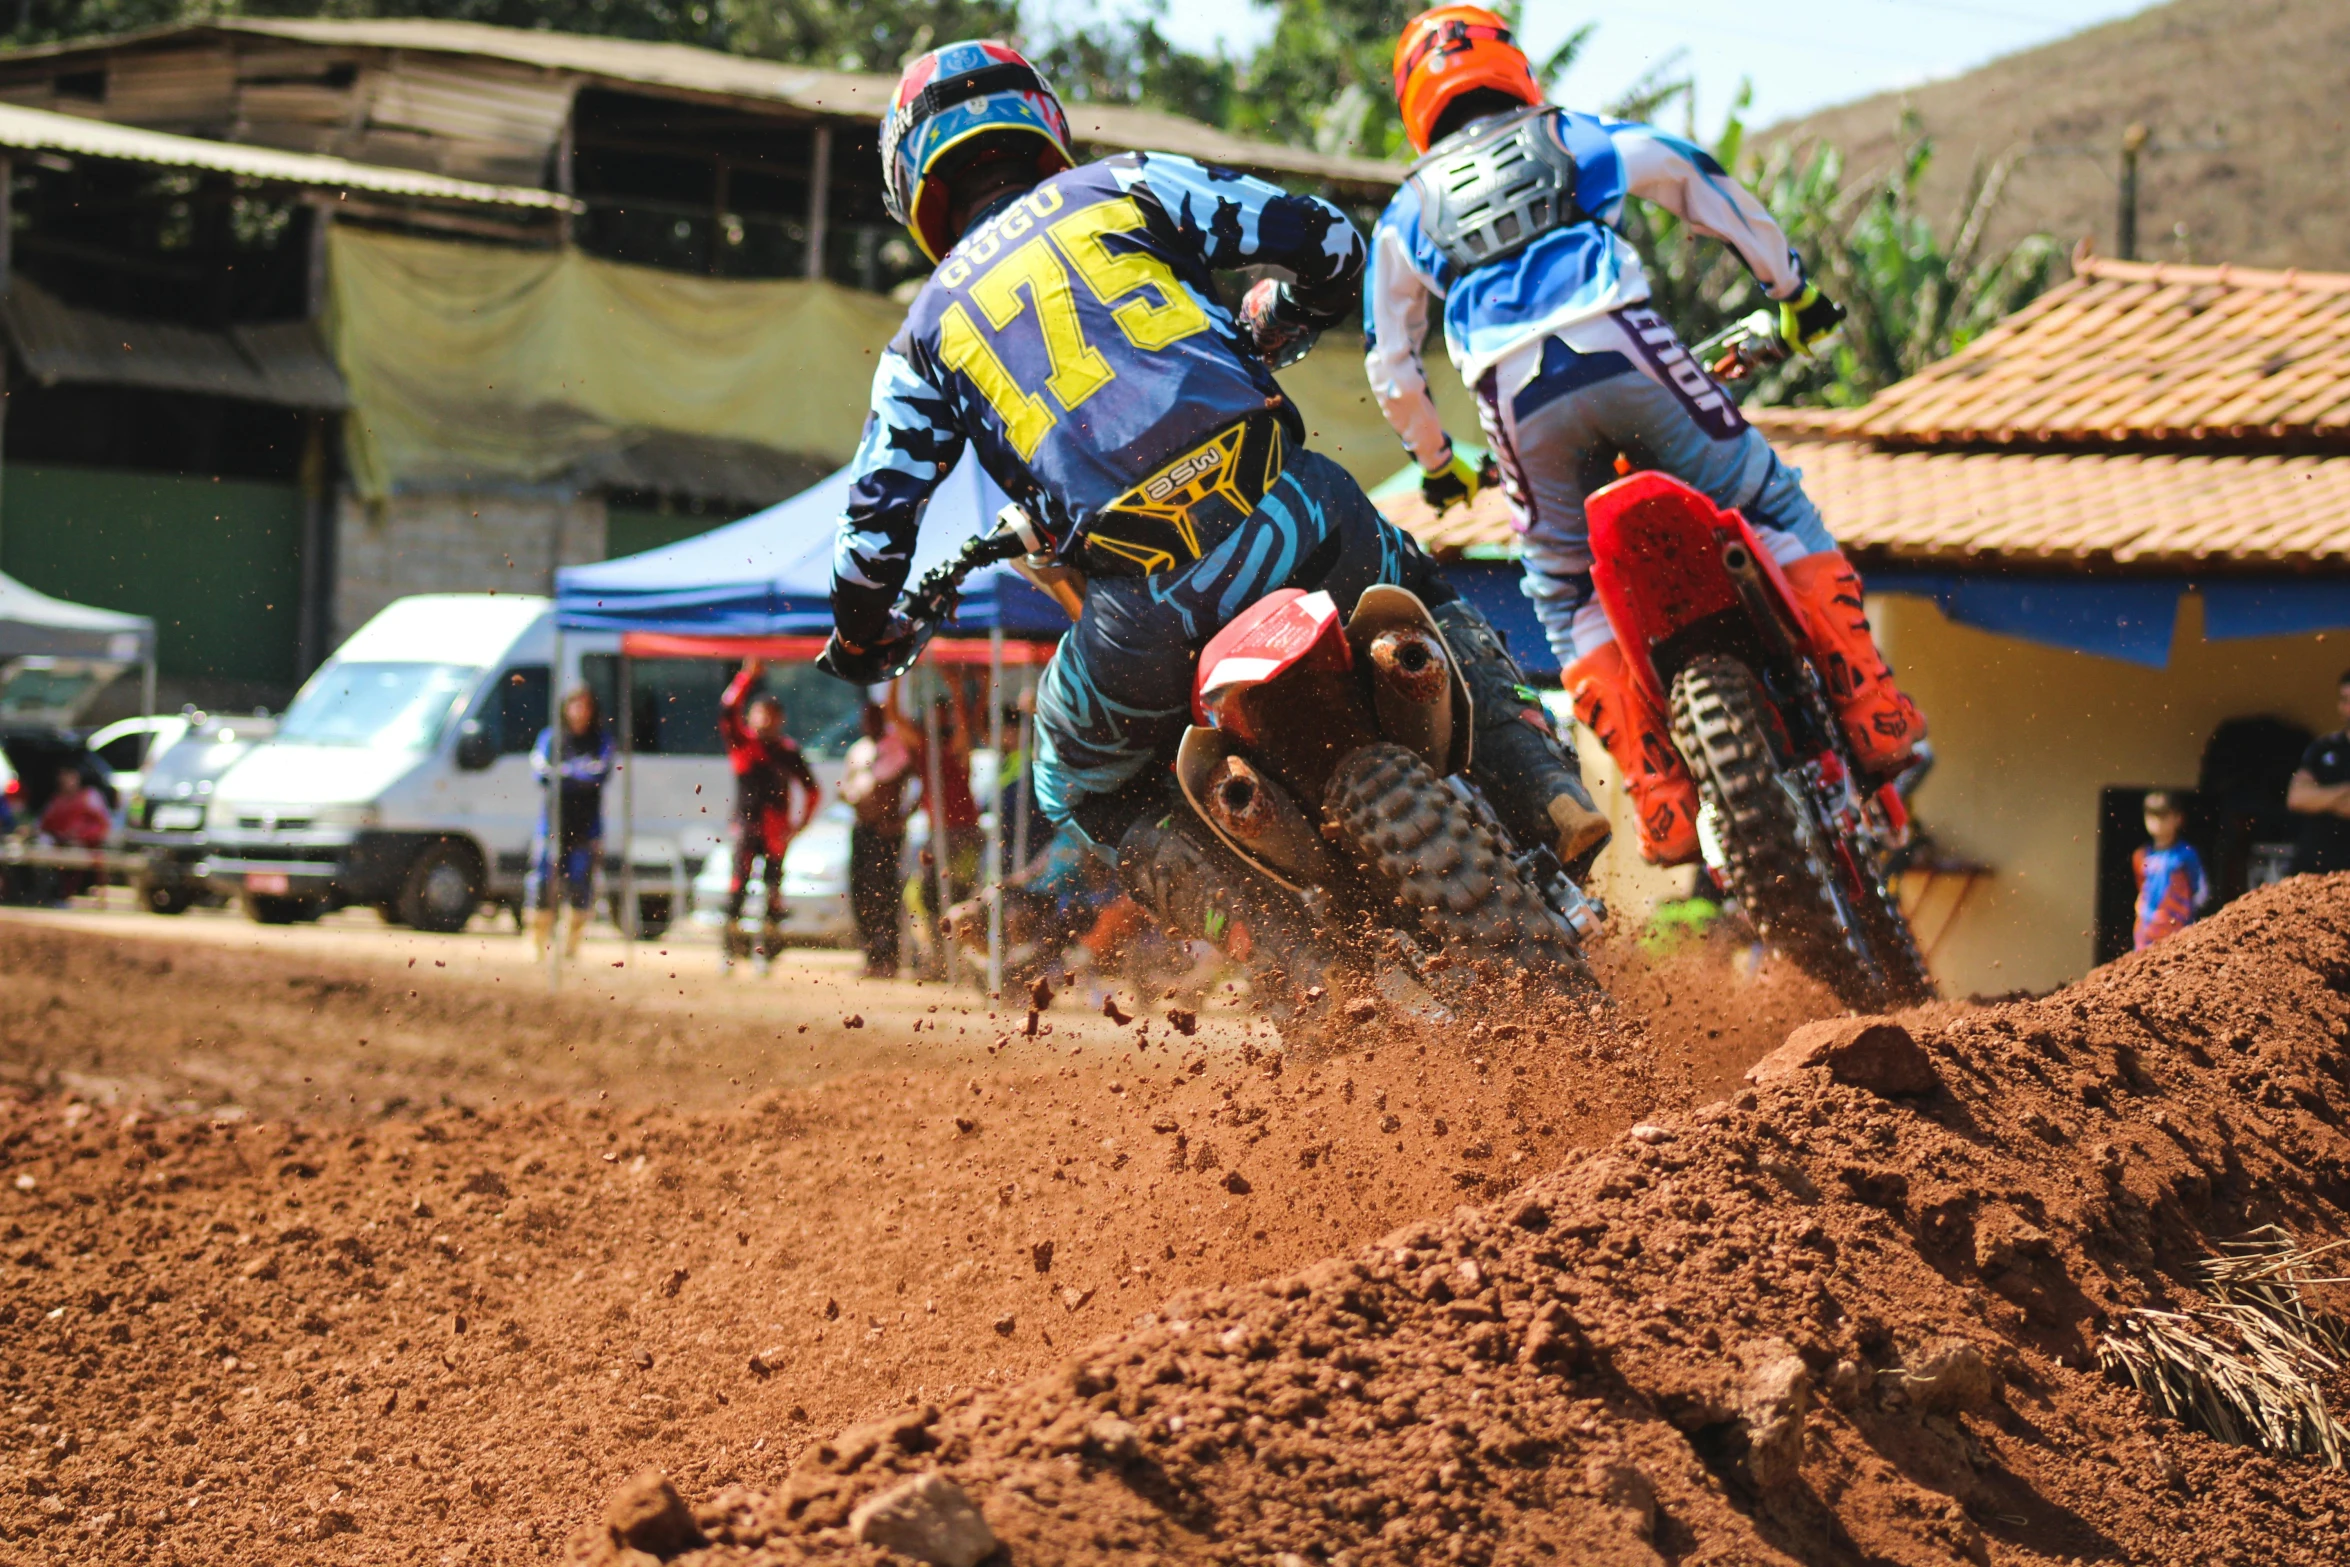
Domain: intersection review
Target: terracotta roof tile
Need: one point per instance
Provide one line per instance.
(2030, 509)
(2135, 352)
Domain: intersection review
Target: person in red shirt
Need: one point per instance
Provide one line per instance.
(768, 768)
(76, 816)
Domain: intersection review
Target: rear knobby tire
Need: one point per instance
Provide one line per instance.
(1450, 874)
(1779, 862)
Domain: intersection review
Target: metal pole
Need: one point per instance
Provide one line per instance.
(626, 684)
(2126, 222)
(1027, 776)
(995, 817)
(934, 781)
(551, 888)
(819, 198)
(147, 693)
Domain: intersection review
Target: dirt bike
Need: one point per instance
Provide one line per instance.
(1330, 752)
(1786, 820)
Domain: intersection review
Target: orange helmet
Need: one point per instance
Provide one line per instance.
(1448, 51)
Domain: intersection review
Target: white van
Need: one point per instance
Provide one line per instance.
(399, 778)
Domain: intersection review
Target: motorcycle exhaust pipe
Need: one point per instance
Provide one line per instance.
(1761, 607)
(1411, 690)
(1259, 815)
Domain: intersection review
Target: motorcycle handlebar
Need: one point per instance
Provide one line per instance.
(1745, 347)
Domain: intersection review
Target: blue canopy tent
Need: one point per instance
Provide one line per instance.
(762, 587)
(769, 576)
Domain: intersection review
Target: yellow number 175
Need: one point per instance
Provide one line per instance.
(1078, 369)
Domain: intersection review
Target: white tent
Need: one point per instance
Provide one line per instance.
(34, 625)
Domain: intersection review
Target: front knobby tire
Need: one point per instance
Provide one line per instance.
(1779, 861)
(1455, 886)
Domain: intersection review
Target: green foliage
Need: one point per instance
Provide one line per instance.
(1913, 295)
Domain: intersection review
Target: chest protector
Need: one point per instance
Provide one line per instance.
(1491, 189)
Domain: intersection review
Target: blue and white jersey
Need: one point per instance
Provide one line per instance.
(1076, 340)
(1567, 284)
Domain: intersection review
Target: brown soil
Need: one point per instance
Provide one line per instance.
(1817, 1323)
(315, 1259)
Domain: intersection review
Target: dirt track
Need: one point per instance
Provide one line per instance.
(313, 1256)
(1847, 1316)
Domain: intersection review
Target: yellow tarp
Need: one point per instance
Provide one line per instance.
(476, 364)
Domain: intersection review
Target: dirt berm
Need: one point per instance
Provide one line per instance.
(1848, 1316)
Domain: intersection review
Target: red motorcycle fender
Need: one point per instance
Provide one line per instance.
(1422, 701)
(1656, 563)
(1286, 629)
(1267, 828)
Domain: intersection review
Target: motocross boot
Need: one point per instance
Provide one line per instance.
(1612, 705)
(1527, 768)
(1881, 723)
(542, 932)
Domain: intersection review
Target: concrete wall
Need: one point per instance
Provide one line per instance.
(2028, 735)
(452, 542)
(2026, 738)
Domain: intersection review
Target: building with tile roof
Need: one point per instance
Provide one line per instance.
(2108, 546)
(255, 339)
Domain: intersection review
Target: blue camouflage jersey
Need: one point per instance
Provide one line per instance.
(1076, 338)
(1578, 283)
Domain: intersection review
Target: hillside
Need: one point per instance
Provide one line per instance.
(2265, 79)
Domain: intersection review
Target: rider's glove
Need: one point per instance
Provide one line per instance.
(1279, 330)
(1809, 319)
(868, 663)
(1456, 481)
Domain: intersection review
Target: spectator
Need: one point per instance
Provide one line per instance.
(76, 816)
(2171, 886)
(568, 855)
(768, 767)
(2320, 792)
(956, 811)
(873, 783)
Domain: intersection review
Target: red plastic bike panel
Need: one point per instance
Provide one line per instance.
(1286, 629)
(1656, 563)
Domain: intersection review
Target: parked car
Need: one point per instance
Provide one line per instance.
(815, 885)
(816, 909)
(166, 814)
(399, 778)
(128, 745)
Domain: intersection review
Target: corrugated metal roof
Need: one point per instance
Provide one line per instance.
(38, 130)
(2141, 510)
(280, 362)
(2140, 353)
(683, 68)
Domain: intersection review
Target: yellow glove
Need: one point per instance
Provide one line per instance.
(1809, 319)
(1457, 481)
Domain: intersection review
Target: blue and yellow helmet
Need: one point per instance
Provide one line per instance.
(947, 102)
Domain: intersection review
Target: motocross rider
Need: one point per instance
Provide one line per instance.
(1507, 218)
(1073, 334)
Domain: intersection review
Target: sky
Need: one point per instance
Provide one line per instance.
(1800, 56)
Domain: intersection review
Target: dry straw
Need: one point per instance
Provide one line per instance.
(2245, 1368)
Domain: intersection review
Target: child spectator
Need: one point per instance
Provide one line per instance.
(563, 862)
(2171, 888)
(767, 768)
